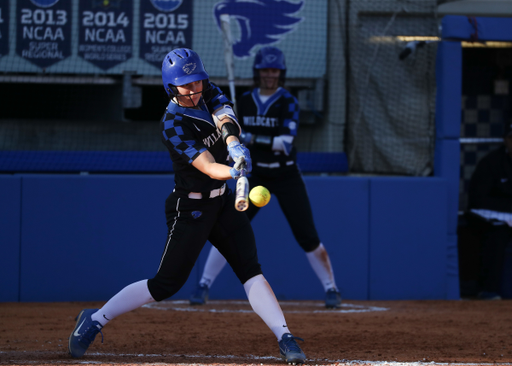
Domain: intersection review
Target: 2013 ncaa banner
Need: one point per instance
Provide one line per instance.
(164, 26)
(43, 31)
(105, 32)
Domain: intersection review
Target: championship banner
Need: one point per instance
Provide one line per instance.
(105, 32)
(164, 26)
(4, 28)
(43, 30)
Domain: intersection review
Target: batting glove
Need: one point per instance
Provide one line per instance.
(237, 151)
(237, 173)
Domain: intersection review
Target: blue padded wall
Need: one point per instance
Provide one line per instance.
(447, 166)
(86, 237)
(10, 221)
(447, 148)
(449, 90)
(408, 238)
(448, 119)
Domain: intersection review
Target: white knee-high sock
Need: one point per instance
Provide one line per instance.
(321, 264)
(129, 298)
(214, 264)
(264, 303)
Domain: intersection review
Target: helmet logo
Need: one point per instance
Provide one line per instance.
(264, 22)
(270, 59)
(189, 68)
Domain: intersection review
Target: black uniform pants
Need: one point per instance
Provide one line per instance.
(191, 223)
(293, 199)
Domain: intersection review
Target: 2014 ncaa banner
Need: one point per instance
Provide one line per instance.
(105, 32)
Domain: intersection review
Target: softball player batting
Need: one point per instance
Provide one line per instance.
(270, 115)
(200, 208)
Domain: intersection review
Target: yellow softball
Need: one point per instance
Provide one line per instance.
(259, 196)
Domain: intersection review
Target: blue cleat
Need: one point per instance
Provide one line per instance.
(290, 350)
(332, 299)
(84, 333)
(200, 296)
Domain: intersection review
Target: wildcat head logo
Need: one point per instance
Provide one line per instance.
(166, 5)
(189, 68)
(260, 22)
(44, 3)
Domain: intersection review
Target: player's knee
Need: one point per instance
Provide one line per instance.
(309, 245)
(161, 290)
(249, 272)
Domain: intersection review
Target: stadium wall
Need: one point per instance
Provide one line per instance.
(84, 237)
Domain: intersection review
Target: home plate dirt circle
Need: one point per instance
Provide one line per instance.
(241, 306)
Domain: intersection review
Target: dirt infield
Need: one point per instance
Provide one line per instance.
(228, 332)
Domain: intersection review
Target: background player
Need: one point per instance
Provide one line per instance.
(490, 216)
(200, 208)
(269, 115)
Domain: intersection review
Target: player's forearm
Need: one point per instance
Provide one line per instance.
(206, 164)
(217, 171)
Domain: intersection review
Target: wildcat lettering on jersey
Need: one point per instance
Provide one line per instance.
(212, 139)
(261, 121)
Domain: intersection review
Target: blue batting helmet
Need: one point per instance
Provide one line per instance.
(181, 66)
(269, 58)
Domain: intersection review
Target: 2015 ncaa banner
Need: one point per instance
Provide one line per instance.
(164, 26)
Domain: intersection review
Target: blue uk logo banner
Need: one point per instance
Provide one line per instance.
(260, 23)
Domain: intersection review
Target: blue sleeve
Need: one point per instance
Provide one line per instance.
(179, 140)
(291, 116)
(216, 98)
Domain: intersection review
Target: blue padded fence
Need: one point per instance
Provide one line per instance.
(84, 237)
